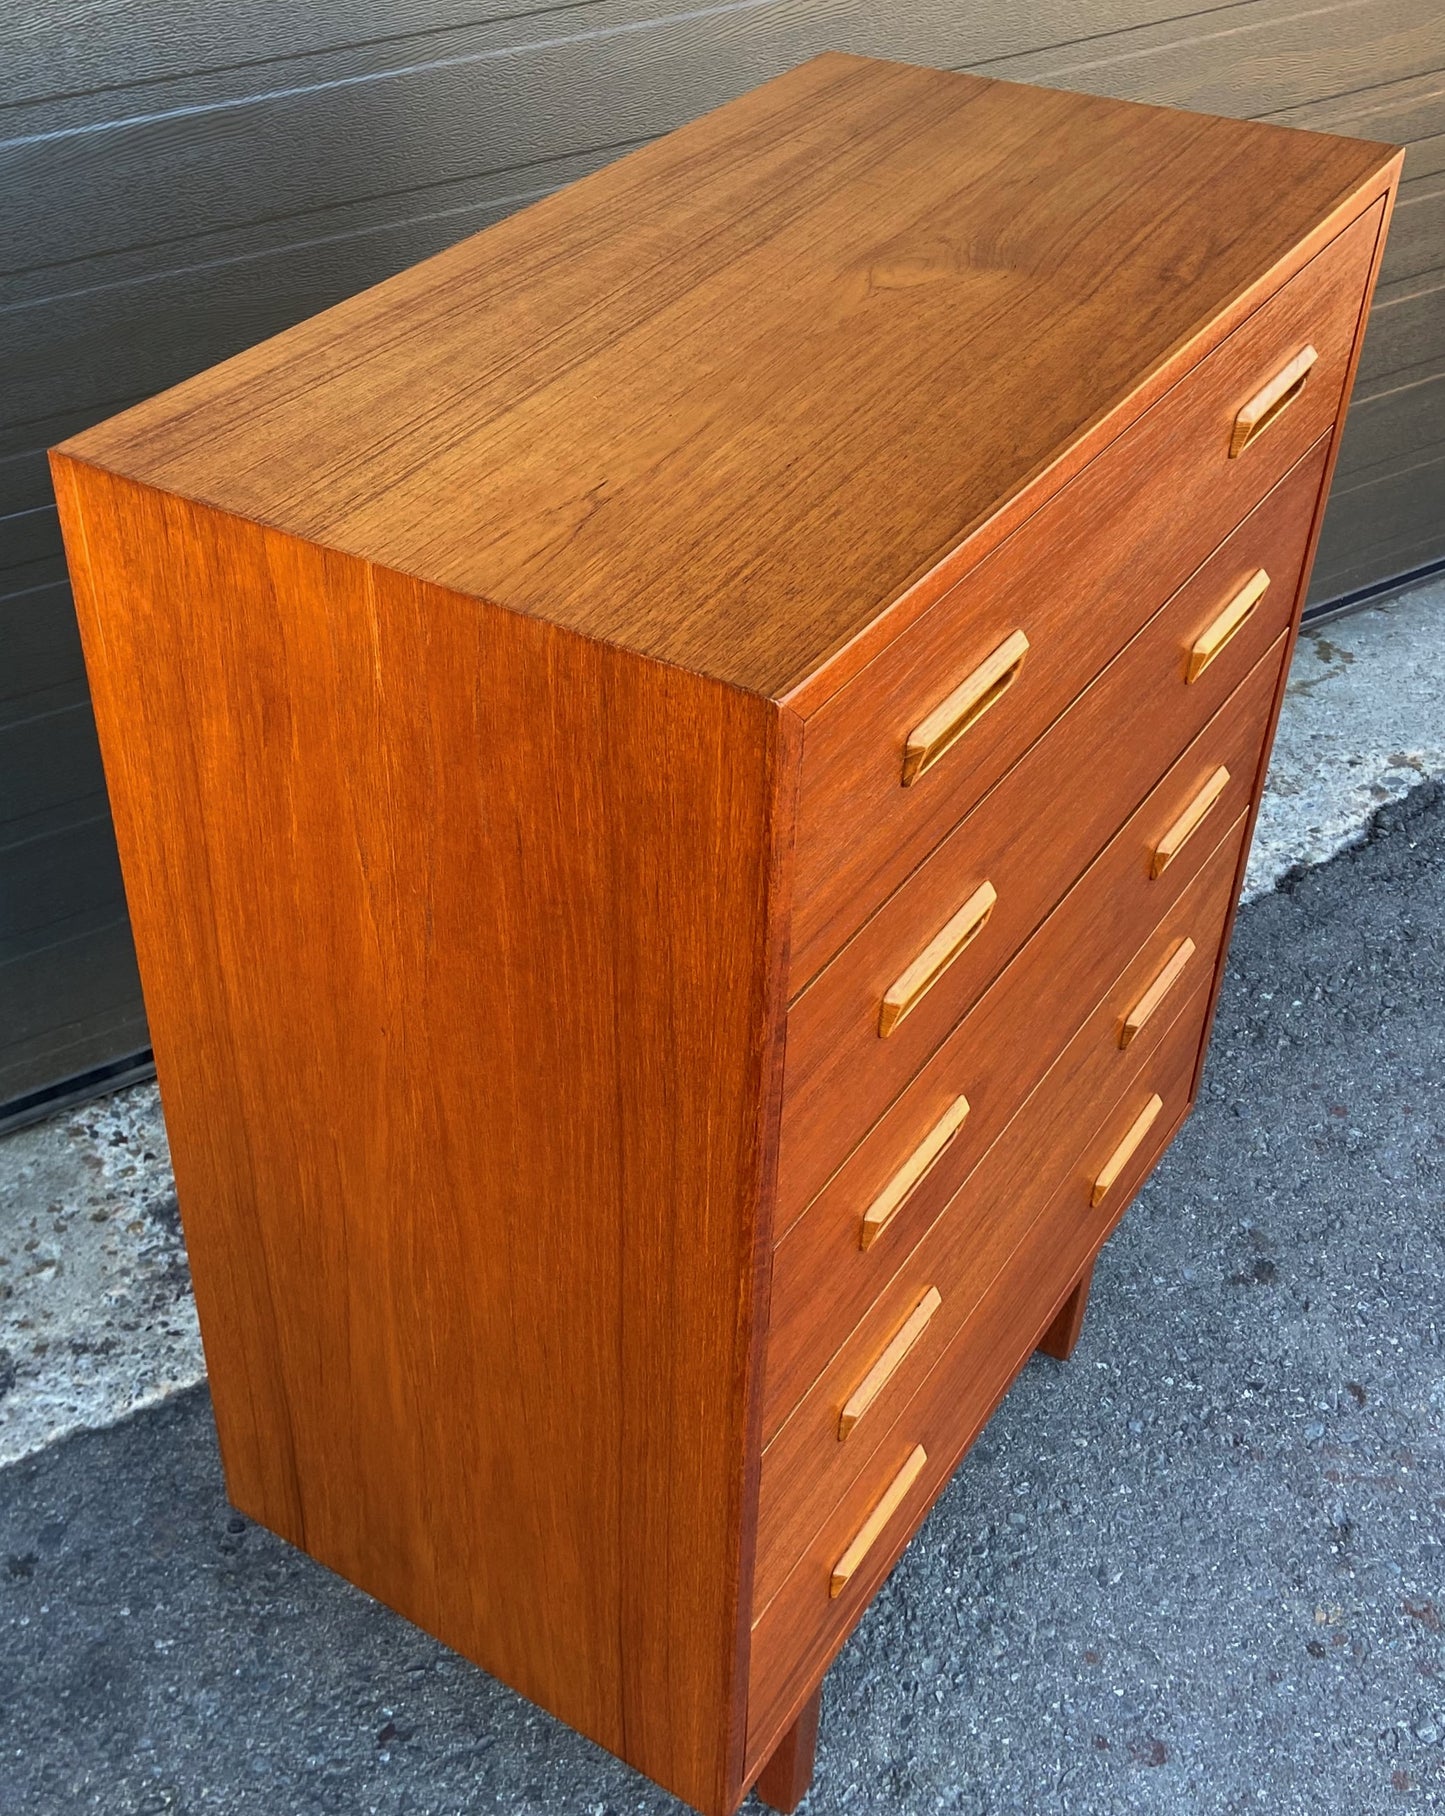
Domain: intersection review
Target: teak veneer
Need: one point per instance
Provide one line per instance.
(664, 762)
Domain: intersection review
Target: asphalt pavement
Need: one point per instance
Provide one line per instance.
(1199, 1568)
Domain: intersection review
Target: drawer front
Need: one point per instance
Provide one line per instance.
(1030, 838)
(798, 1632)
(837, 1259)
(1078, 579)
(1125, 889)
(828, 1438)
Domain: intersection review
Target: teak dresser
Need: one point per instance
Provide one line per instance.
(683, 771)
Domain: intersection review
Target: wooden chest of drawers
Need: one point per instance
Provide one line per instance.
(683, 771)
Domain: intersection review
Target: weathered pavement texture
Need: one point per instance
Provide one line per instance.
(1363, 723)
(96, 1314)
(1199, 1568)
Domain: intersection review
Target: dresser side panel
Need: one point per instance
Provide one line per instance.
(459, 943)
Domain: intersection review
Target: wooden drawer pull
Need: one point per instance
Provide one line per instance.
(1232, 619)
(894, 1495)
(1124, 1153)
(1270, 401)
(1189, 822)
(964, 707)
(888, 1364)
(912, 1173)
(1156, 992)
(935, 958)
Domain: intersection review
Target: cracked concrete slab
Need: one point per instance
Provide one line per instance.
(96, 1318)
(96, 1314)
(1363, 723)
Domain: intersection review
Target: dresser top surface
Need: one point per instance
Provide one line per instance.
(726, 399)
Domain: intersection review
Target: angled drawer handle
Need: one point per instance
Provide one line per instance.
(1157, 991)
(894, 1494)
(919, 1164)
(1189, 822)
(1270, 401)
(964, 707)
(910, 989)
(1124, 1153)
(889, 1363)
(1231, 620)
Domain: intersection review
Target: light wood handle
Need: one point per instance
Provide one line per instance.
(888, 1364)
(912, 1173)
(894, 1495)
(1270, 401)
(964, 707)
(1124, 1153)
(1231, 620)
(910, 989)
(1157, 991)
(1189, 822)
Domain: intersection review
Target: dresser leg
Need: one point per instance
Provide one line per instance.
(1061, 1336)
(784, 1780)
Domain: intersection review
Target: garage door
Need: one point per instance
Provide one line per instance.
(179, 179)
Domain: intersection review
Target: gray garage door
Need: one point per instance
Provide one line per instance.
(179, 178)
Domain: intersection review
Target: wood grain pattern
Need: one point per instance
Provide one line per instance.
(572, 414)
(1061, 1338)
(901, 1186)
(1273, 398)
(946, 947)
(127, 276)
(795, 1638)
(962, 709)
(1079, 578)
(1217, 633)
(1028, 840)
(488, 91)
(784, 1780)
(805, 1468)
(1166, 980)
(1196, 811)
(467, 1344)
(822, 1280)
(1120, 1157)
(883, 1370)
(880, 1516)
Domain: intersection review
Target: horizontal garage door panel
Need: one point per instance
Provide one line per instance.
(1404, 422)
(72, 1007)
(1407, 329)
(1401, 513)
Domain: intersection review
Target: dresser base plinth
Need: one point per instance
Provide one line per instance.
(1061, 1336)
(783, 1782)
